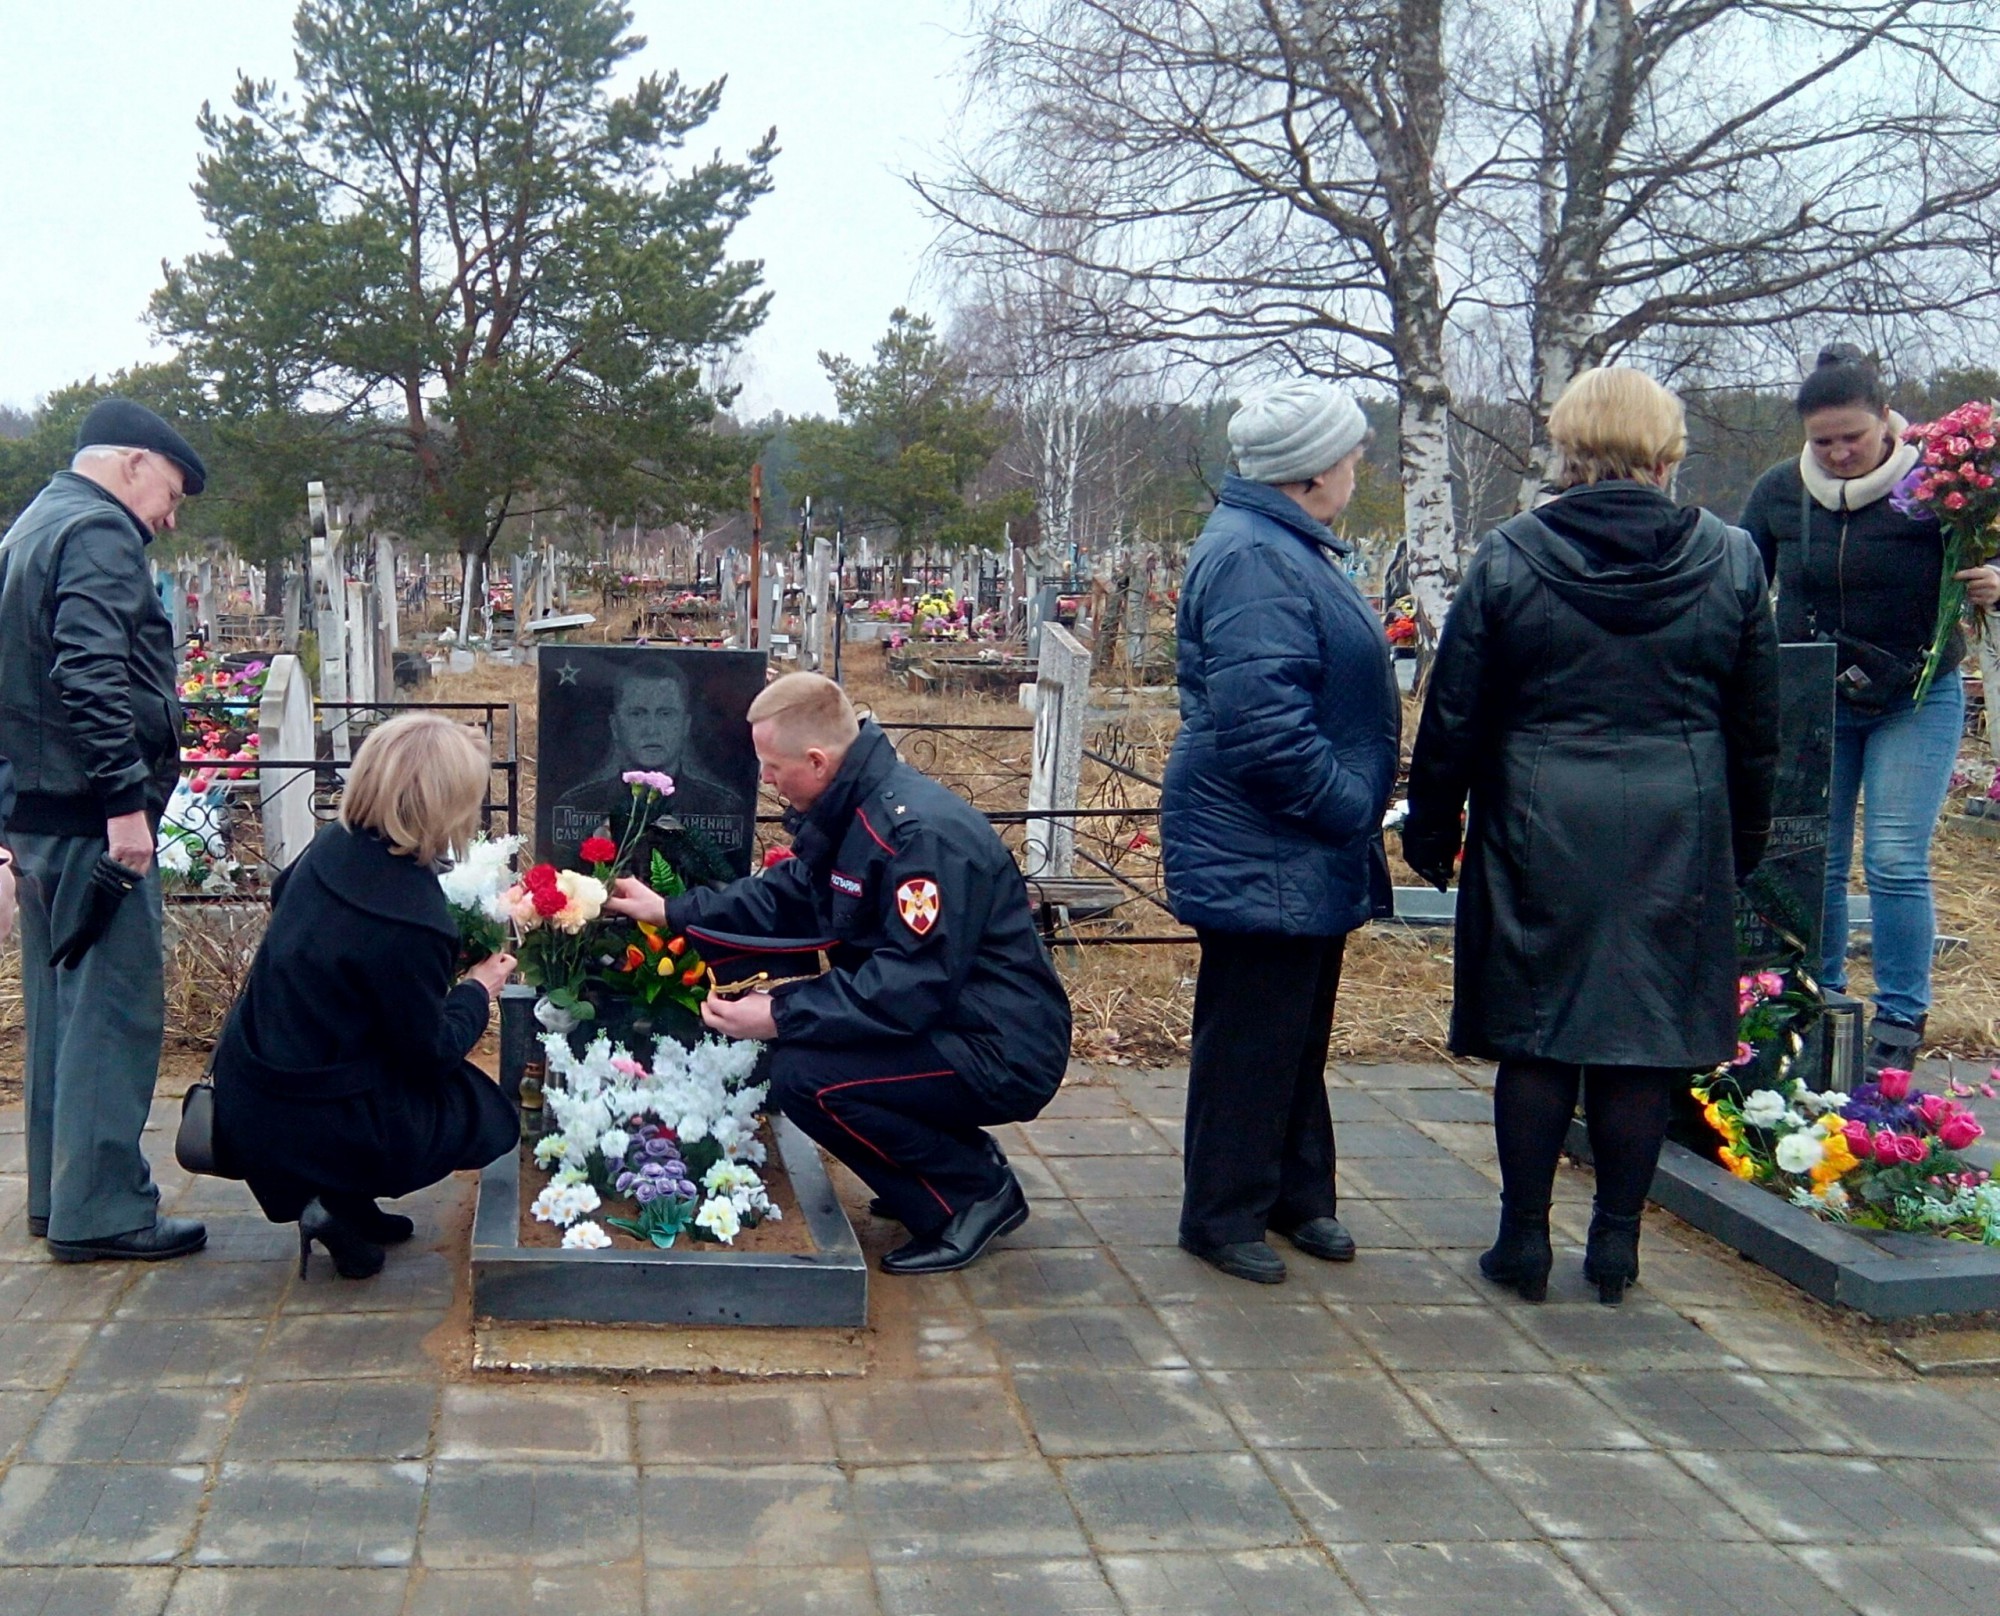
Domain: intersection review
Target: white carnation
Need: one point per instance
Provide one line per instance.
(1764, 1108)
(585, 1237)
(613, 1143)
(1799, 1152)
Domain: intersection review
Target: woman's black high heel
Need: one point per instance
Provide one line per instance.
(1521, 1254)
(353, 1257)
(1611, 1258)
(369, 1221)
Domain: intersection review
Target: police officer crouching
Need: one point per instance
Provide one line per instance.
(941, 1014)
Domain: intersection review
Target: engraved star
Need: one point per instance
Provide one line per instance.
(566, 674)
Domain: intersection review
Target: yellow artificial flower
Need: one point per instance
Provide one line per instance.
(1713, 1113)
(1742, 1166)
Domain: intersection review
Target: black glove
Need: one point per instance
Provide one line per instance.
(1434, 858)
(109, 882)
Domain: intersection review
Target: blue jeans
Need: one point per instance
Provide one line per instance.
(1901, 761)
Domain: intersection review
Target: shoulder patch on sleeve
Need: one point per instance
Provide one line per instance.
(918, 904)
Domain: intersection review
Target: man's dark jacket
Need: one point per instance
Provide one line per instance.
(88, 711)
(1606, 691)
(972, 976)
(1271, 820)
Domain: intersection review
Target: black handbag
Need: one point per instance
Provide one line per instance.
(194, 1140)
(1869, 679)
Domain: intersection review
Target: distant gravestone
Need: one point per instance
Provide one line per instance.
(1780, 910)
(285, 735)
(604, 710)
(1062, 696)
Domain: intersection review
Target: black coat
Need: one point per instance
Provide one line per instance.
(88, 706)
(342, 1065)
(1606, 692)
(935, 937)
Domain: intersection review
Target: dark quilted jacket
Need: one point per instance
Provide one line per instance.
(1271, 819)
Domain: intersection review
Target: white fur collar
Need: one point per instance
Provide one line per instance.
(1851, 493)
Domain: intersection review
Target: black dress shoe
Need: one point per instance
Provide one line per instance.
(1323, 1238)
(965, 1237)
(879, 1208)
(163, 1238)
(1242, 1259)
(39, 1228)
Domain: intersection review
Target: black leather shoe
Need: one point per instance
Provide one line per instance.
(962, 1240)
(164, 1238)
(1323, 1238)
(39, 1228)
(879, 1208)
(1246, 1259)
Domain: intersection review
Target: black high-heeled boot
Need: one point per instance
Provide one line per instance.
(1611, 1257)
(369, 1221)
(1521, 1255)
(353, 1256)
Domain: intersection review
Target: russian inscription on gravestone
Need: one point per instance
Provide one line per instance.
(608, 709)
(1780, 910)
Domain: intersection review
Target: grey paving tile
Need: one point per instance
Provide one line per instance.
(1168, 1277)
(349, 1346)
(534, 1425)
(35, 1357)
(1895, 1582)
(268, 1592)
(1054, 1223)
(316, 1514)
(902, 1423)
(1442, 1338)
(1391, 1137)
(169, 1352)
(1134, 1220)
(751, 1515)
(206, 1290)
(88, 1514)
(65, 1293)
(1774, 1344)
(1395, 1075)
(1494, 1579)
(1077, 1411)
(1612, 1495)
(83, 1591)
(330, 1419)
(1250, 1582)
(410, 1282)
(250, 1237)
(1085, 1100)
(718, 1425)
(953, 1347)
(1284, 1408)
(483, 1515)
(20, 1412)
(1968, 1492)
(142, 1425)
(1396, 1495)
(551, 1591)
(1088, 1178)
(1357, 1105)
(1642, 1334)
(1373, 1229)
(1438, 1105)
(1815, 1498)
(1179, 1501)
(998, 1588)
(1519, 1411)
(1438, 1177)
(1439, 1225)
(1094, 1136)
(1388, 1276)
(765, 1591)
(1904, 1419)
(1011, 1510)
(1083, 1338)
(1724, 1579)
(1237, 1335)
(1734, 1411)
(1009, 1279)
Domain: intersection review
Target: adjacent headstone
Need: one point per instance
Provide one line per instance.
(604, 710)
(1062, 694)
(386, 601)
(329, 595)
(285, 734)
(816, 613)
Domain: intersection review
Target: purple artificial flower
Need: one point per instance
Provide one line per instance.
(649, 780)
(657, 1147)
(1904, 495)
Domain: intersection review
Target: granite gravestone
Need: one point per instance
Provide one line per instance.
(1780, 909)
(605, 710)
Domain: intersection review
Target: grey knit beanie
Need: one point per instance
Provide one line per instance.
(1292, 431)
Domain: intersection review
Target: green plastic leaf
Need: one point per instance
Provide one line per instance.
(665, 879)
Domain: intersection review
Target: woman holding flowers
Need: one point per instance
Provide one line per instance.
(341, 1074)
(1861, 569)
(1606, 695)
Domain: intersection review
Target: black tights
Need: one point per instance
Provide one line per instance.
(1626, 1108)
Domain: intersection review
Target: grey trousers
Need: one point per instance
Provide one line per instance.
(94, 1036)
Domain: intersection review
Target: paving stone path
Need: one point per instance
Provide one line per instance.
(1088, 1421)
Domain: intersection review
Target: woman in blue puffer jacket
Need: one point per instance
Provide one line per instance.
(1271, 823)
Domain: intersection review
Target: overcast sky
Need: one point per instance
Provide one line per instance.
(98, 147)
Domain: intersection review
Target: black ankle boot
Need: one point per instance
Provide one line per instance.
(1521, 1256)
(1611, 1258)
(353, 1257)
(1891, 1044)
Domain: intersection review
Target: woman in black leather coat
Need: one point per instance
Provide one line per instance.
(1605, 693)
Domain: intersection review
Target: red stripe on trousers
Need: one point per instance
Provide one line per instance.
(863, 1082)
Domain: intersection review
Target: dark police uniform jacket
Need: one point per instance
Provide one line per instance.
(934, 937)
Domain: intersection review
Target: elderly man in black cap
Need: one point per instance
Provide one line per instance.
(89, 717)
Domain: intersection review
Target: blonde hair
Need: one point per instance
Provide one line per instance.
(1615, 423)
(418, 782)
(806, 709)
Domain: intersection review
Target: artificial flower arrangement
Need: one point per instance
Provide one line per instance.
(677, 1139)
(1886, 1156)
(1957, 481)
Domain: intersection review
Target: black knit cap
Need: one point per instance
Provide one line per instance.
(118, 423)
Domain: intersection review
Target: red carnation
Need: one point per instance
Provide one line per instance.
(598, 849)
(550, 903)
(774, 856)
(539, 878)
